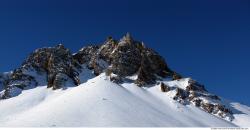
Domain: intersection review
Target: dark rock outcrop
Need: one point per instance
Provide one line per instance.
(181, 95)
(85, 54)
(118, 59)
(55, 61)
(176, 76)
(195, 86)
(60, 66)
(144, 77)
(126, 57)
(15, 82)
(152, 65)
(164, 87)
(20, 80)
(196, 94)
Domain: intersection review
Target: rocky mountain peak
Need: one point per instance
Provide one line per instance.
(119, 60)
(58, 65)
(127, 38)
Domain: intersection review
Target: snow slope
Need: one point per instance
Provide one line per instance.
(101, 103)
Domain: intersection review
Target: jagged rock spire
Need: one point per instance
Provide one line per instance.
(127, 38)
(143, 45)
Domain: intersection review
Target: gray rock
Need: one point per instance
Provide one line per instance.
(123, 58)
(54, 61)
(85, 54)
(60, 80)
(126, 59)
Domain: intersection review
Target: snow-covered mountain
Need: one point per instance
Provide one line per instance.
(117, 84)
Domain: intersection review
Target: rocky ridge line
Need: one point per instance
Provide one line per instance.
(118, 59)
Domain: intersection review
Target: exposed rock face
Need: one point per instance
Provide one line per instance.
(20, 80)
(59, 80)
(60, 66)
(181, 96)
(195, 86)
(97, 64)
(164, 87)
(196, 94)
(155, 63)
(85, 54)
(152, 64)
(56, 61)
(145, 77)
(176, 76)
(118, 59)
(15, 82)
(107, 48)
(125, 58)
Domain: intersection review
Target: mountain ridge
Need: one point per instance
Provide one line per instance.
(123, 58)
(121, 62)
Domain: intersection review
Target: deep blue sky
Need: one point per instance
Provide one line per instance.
(207, 40)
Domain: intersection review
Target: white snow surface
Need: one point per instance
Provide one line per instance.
(100, 103)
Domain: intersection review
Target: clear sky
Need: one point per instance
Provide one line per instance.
(207, 40)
